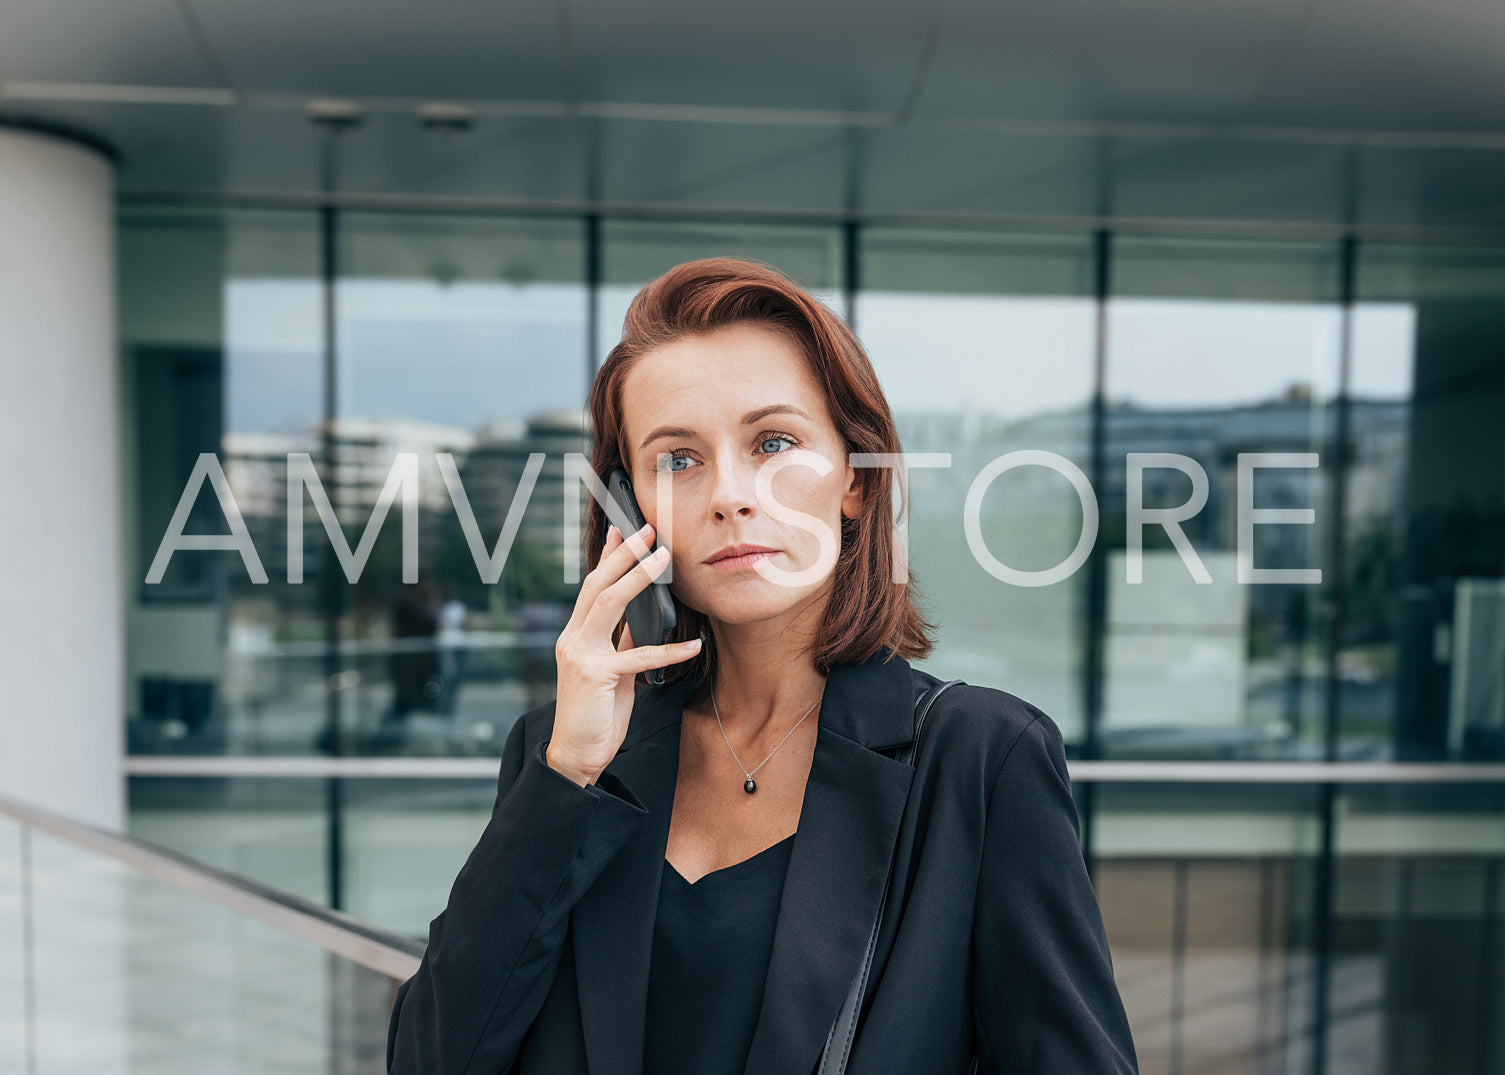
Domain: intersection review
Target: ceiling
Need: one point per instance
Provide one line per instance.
(1370, 116)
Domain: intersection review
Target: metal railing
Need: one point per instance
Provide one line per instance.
(1084, 772)
(337, 933)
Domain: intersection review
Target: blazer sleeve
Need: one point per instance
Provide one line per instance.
(494, 949)
(1045, 999)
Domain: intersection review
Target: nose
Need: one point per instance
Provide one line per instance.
(734, 494)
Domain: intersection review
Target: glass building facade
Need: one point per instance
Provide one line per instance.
(1280, 895)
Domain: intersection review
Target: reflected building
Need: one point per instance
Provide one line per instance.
(497, 464)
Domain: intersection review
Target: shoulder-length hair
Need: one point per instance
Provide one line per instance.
(867, 610)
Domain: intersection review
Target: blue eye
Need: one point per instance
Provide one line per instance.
(677, 459)
(674, 461)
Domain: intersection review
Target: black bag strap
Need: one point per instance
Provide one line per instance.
(833, 1060)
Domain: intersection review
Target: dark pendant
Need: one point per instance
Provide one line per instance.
(751, 786)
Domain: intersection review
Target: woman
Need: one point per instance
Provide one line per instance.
(684, 877)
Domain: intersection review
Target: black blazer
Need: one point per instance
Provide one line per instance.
(991, 935)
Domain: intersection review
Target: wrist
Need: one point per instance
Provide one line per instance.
(562, 765)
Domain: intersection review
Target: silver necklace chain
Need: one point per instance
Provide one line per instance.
(751, 784)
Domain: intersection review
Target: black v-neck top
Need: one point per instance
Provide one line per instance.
(711, 945)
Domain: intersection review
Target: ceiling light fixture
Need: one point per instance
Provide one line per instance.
(446, 118)
(334, 113)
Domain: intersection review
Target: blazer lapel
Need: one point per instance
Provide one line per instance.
(849, 823)
(613, 921)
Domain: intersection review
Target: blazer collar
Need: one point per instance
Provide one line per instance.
(871, 703)
(848, 827)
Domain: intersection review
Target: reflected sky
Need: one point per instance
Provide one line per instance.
(462, 354)
(469, 352)
(959, 353)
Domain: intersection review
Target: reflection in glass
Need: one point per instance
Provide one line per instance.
(1374, 524)
(403, 840)
(273, 831)
(1424, 623)
(464, 339)
(467, 336)
(1206, 897)
(1419, 928)
(131, 973)
(221, 349)
(635, 252)
(1245, 360)
(992, 355)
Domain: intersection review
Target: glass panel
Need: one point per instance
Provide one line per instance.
(984, 346)
(1424, 613)
(455, 335)
(134, 974)
(220, 322)
(1242, 361)
(272, 831)
(405, 841)
(1206, 894)
(1419, 930)
(635, 252)
(464, 336)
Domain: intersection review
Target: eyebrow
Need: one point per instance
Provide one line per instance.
(747, 419)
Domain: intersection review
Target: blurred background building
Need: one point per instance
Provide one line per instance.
(247, 231)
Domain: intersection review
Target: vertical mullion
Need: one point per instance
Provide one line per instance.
(1487, 944)
(1339, 451)
(592, 295)
(331, 591)
(1097, 571)
(851, 268)
(1323, 896)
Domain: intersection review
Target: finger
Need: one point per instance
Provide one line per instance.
(643, 658)
(640, 542)
(612, 601)
(608, 569)
(614, 563)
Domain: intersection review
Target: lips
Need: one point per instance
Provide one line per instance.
(736, 551)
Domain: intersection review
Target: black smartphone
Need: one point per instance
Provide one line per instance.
(651, 613)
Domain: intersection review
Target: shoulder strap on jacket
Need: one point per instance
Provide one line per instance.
(922, 709)
(833, 1059)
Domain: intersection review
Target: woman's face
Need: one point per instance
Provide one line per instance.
(750, 443)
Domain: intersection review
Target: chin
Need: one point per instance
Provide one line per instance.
(740, 604)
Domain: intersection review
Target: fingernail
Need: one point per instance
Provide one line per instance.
(694, 643)
(659, 553)
(612, 529)
(643, 530)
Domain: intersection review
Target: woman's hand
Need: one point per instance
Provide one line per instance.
(595, 680)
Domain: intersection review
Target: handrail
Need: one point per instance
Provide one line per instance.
(349, 938)
(1286, 772)
(1080, 770)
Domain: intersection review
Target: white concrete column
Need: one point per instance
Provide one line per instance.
(61, 602)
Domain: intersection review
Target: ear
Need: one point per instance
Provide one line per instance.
(851, 497)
